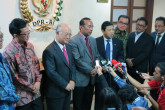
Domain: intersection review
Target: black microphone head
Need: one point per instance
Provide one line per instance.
(138, 72)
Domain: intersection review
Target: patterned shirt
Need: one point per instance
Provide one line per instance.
(24, 67)
(7, 89)
(123, 37)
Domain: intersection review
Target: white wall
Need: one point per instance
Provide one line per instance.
(73, 11)
(158, 11)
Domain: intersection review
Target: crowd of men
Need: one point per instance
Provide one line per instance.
(69, 64)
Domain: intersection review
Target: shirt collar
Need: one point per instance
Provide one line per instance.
(105, 39)
(82, 35)
(161, 34)
(139, 33)
(16, 44)
(60, 45)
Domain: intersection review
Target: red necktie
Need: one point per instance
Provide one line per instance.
(89, 47)
(65, 54)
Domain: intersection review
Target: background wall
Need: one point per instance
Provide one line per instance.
(73, 11)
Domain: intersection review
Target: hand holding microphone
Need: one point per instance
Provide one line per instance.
(119, 66)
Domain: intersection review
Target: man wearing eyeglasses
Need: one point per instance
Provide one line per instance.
(120, 31)
(139, 47)
(84, 50)
(158, 53)
(24, 66)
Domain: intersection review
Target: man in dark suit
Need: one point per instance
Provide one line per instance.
(158, 52)
(111, 48)
(60, 70)
(85, 52)
(139, 47)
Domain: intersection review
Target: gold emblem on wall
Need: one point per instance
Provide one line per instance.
(45, 14)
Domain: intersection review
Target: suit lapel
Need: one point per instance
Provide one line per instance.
(102, 47)
(114, 48)
(141, 38)
(162, 41)
(84, 45)
(60, 53)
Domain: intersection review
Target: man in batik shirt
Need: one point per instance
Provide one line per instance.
(120, 31)
(24, 66)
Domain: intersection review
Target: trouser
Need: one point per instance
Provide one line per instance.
(34, 105)
(82, 97)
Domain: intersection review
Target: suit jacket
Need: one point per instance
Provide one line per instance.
(83, 60)
(58, 72)
(140, 51)
(158, 54)
(117, 48)
(117, 54)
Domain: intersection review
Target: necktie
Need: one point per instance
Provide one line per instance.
(65, 54)
(88, 46)
(108, 49)
(157, 42)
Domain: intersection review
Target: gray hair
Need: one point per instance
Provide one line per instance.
(58, 28)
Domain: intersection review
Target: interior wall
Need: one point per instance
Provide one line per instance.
(73, 11)
(158, 11)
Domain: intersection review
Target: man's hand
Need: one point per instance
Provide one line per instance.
(94, 72)
(144, 91)
(104, 70)
(69, 87)
(72, 84)
(145, 76)
(99, 70)
(15, 104)
(129, 62)
(36, 87)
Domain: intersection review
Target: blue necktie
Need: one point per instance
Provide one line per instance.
(108, 49)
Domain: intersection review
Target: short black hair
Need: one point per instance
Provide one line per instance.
(16, 25)
(161, 65)
(105, 24)
(142, 19)
(127, 93)
(124, 16)
(109, 99)
(160, 19)
(82, 21)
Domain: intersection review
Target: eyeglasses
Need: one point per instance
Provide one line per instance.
(89, 26)
(68, 34)
(159, 26)
(125, 24)
(24, 35)
(140, 25)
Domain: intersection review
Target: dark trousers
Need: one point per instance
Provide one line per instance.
(82, 97)
(34, 105)
(58, 103)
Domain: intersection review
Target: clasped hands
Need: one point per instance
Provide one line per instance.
(70, 85)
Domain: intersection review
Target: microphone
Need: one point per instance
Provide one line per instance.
(120, 66)
(138, 72)
(105, 63)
